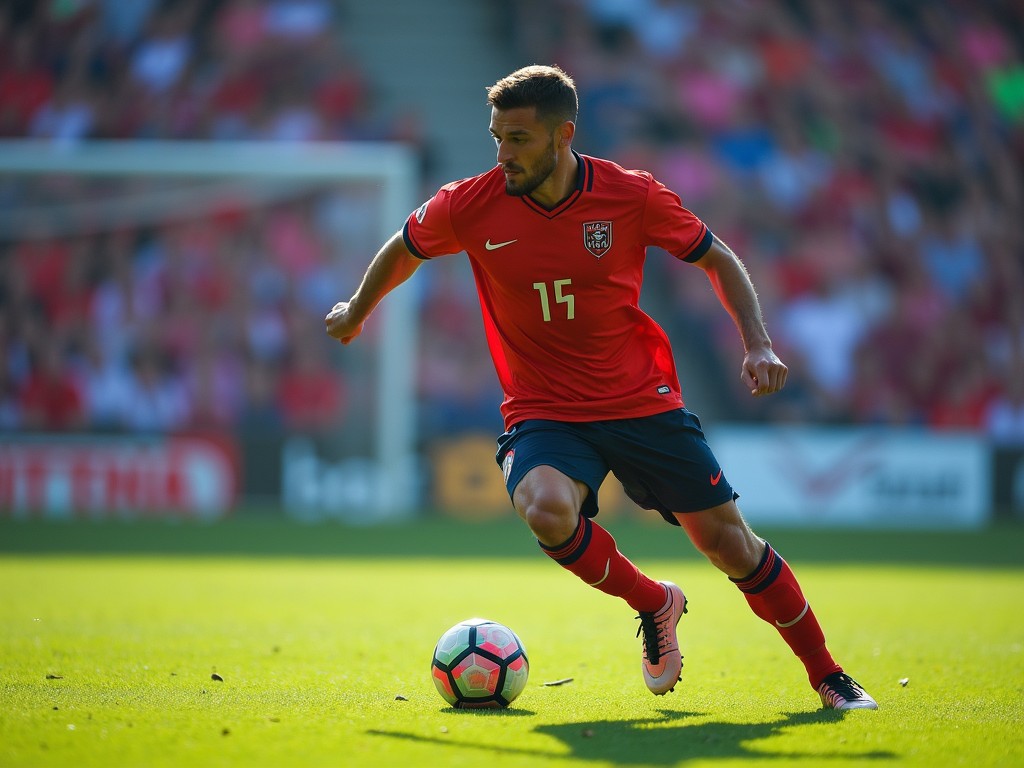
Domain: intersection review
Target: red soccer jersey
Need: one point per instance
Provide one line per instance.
(559, 289)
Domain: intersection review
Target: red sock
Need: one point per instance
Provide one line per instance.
(591, 554)
(774, 594)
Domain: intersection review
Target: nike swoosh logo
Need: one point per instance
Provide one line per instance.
(495, 246)
(607, 567)
(715, 478)
(783, 625)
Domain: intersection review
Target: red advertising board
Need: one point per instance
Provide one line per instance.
(123, 477)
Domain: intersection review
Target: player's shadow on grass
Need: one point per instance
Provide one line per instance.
(669, 739)
(663, 740)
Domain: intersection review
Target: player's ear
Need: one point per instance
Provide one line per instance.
(565, 133)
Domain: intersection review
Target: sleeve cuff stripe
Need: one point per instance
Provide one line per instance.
(702, 247)
(407, 236)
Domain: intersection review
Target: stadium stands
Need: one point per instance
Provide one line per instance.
(866, 159)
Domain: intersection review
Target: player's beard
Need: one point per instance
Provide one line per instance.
(534, 178)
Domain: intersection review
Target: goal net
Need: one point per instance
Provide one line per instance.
(211, 265)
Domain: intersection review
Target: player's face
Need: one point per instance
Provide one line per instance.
(526, 149)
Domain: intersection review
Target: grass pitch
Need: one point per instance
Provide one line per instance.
(158, 645)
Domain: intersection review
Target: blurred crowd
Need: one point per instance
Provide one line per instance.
(180, 323)
(182, 69)
(865, 159)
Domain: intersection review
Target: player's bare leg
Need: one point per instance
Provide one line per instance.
(550, 503)
(773, 593)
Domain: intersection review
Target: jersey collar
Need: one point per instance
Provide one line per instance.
(584, 182)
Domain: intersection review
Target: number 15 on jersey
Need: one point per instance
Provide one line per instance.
(560, 298)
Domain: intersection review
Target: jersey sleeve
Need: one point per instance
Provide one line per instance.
(428, 231)
(669, 225)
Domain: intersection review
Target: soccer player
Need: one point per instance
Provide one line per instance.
(556, 240)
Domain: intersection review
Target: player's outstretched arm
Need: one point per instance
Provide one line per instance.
(392, 266)
(763, 372)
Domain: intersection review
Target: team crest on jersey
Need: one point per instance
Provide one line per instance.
(597, 237)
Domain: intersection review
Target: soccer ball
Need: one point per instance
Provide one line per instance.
(479, 663)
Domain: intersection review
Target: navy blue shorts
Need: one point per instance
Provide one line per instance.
(663, 461)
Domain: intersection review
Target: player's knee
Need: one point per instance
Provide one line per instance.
(551, 523)
(549, 503)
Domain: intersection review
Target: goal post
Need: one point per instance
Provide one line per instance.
(391, 168)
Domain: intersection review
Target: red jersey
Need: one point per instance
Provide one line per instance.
(559, 289)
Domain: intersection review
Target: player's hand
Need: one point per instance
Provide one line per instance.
(342, 324)
(763, 372)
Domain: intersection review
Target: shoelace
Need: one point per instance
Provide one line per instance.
(651, 632)
(843, 686)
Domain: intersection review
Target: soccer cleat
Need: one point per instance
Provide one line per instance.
(840, 691)
(662, 660)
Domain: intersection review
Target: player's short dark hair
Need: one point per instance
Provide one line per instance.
(547, 88)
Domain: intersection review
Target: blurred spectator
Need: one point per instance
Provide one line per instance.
(164, 54)
(745, 143)
(706, 93)
(69, 115)
(825, 327)
(962, 382)
(298, 22)
(340, 91)
(40, 261)
(10, 409)
(260, 411)
(216, 383)
(121, 23)
(106, 384)
(288, 115)
(877, 397)
(241, 30)
(235, 99)
(26, 84)
(962, 400)
(157, 400)
(795, 172)
(1004, 415)
(952, 255)
(665, 28)
(70, 296)
(311, 394)
(1006, 88)
(50, 399)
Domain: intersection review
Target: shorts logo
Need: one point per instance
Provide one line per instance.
(664, 389)
(506, 464)
(597, 237)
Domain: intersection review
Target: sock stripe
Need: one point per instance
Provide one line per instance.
(573, 548)
(764, 575)
(788, 624)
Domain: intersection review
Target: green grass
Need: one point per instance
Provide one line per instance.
(109, 635)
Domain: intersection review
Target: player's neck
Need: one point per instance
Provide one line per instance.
(560, 184)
